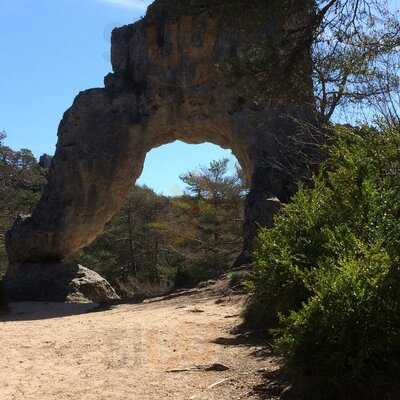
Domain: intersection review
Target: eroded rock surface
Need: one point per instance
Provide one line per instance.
(235, 73)
(45, 161)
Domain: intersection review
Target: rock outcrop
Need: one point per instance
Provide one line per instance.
(45, 161)
(58, 282)
(235, 73)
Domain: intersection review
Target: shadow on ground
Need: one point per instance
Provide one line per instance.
(31, 311)
(276, 384)
(280, 384)
(254, 339)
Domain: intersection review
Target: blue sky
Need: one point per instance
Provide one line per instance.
(52, 49)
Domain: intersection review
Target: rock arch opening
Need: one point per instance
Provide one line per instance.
(164, 165)
(180, 224)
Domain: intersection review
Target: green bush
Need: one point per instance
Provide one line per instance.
(237, 279)
(348, 333)
(327, 276)
(193, 273)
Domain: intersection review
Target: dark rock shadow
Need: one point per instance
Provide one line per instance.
(31, 311)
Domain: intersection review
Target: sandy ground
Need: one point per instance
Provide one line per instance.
(62, 351)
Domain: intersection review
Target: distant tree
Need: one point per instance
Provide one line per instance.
(214, 202)
(354, 46)
(356, 58)
(132, 252)
(21, 184)
(213, 183)
(155, 242)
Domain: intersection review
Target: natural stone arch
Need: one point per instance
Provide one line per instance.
(100, 154)
(172, 80)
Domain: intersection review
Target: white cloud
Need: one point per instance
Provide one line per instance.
(135, 4)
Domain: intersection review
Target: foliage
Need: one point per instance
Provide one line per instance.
(21, 184)
(214, 204)
(237, 279)
(157, 243)
(132, 251)
(356, 59)
(154, 243)
(327, 274)
(348, 333)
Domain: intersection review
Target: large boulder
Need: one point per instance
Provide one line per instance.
(59, 282)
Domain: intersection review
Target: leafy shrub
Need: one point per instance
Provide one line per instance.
(237, 279)
(348, 333)
(192, 274)
(327, 274)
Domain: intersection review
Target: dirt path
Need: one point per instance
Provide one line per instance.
(57, 352)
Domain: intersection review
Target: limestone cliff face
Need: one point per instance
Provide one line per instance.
(235, 73)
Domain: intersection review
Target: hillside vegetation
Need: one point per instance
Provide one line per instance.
(327, 275)
(21, 184)
(155, 243)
